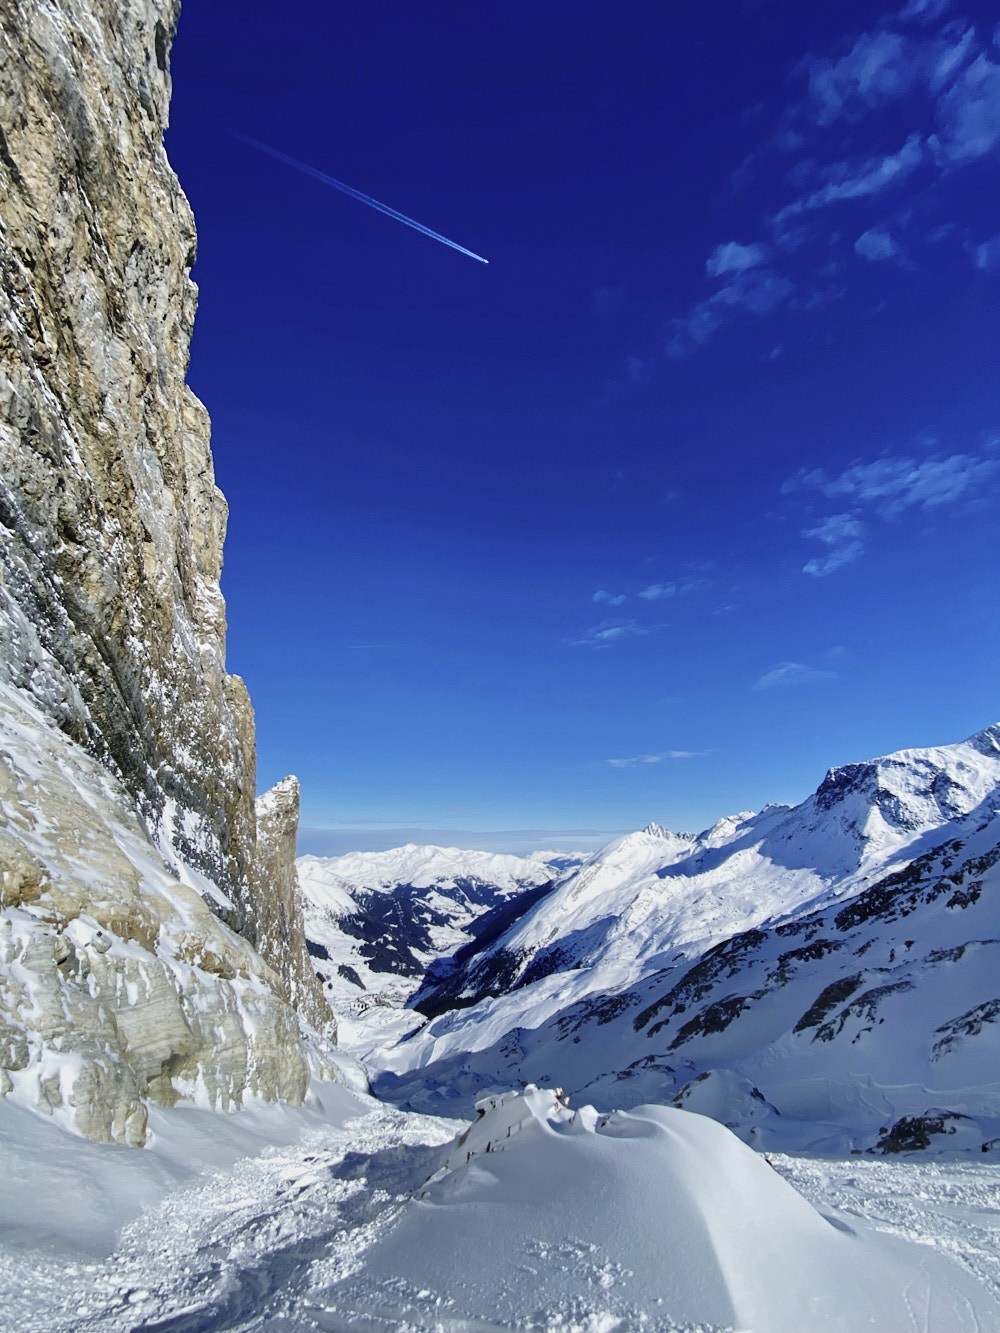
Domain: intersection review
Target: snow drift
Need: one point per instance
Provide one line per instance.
(541, 1217)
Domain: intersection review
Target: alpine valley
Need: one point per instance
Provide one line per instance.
(745, 1079)
(822, 976)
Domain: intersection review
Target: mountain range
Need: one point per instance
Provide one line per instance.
(821, 976)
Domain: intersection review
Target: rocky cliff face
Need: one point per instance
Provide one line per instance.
(112, 625)
(112, 523)
(278, 915)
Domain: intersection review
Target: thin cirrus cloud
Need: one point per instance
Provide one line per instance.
(843, 537)
(661, 592)
(756, 291)
(893, 484)
(926, 74)
(923, 11)
(987, 255)
(783, 674)
(732, 257)
(609, 598)
(858, 178)
(876, 244)
(609, 632)
(658, 592)
(969, 114)
(886, 487)
(639, 760)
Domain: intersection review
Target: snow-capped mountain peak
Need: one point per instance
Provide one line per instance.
(801, 957)
(423, 866)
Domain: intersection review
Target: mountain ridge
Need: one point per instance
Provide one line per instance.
(691, 975)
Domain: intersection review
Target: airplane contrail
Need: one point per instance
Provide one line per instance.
(356, 194)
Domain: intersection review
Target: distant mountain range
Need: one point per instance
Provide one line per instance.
(824, 975)
(378, 922)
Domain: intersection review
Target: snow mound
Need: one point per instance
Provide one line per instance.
(543, 1217)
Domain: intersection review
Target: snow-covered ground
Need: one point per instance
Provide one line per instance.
(350, 1215)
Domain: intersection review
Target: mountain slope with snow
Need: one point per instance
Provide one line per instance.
(376, 922)
(816, 974)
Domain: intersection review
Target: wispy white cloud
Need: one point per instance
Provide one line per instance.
(946, 56)
(931, 75)
(922, 11)
(968, 114)
(756, 291)
(886, 488)
(878, 68)
(987, 255)
(661, 592)
(638, 760)
(856, 179)
(876, 244)
(883, 66)
(609, 598)
(792, 673)
(732, 257)
(609, 632)
(658, 592)
(843, 536)
(894, 484)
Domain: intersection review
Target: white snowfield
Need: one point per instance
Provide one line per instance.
(424, 867)
(813, 975)
(351, 1216)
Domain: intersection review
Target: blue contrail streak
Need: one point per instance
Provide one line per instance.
(356, 194)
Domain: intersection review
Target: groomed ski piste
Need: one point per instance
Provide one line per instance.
(351, 1215)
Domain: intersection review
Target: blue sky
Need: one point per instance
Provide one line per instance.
(686, 496)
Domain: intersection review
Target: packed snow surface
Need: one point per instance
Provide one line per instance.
(349, 1215)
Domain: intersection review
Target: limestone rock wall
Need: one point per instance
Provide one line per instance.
(112, 624)
(279, 920)
(117, 983)
(111, 526)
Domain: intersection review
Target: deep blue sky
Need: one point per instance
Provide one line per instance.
(691, 492)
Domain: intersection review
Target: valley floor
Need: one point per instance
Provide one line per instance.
(260, 1221)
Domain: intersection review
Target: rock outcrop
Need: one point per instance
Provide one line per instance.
(112, 524)
(280, 929)
(117, 984)
(112, 624)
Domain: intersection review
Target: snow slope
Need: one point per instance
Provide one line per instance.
(376, 921)
(834, 963)
(351, 1216)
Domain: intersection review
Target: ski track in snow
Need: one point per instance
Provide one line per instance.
(952, 1206)
(259, 1246)
(243, 1248)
